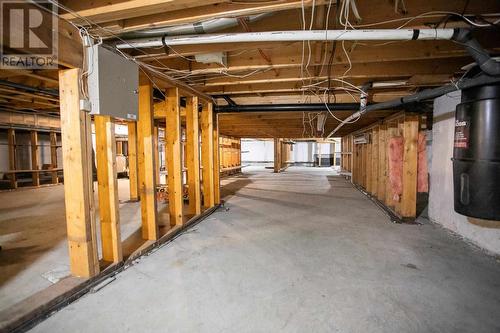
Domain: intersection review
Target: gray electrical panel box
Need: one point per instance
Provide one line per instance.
(112, 84)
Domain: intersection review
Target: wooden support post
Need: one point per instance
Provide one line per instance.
(277, 155)
(392, 131)
(108, 188)
(77, 160)
(382, 163)
(374, 162)
(132, 161)
(53, 156)
(193, 155)
(157, 154)
(351, 149)
(146, 162)
(207, 154)
(11, 133)
(318, 145)
(368, 166)
(35, 176)
(173, 148)
(216, 150)
(410, 158)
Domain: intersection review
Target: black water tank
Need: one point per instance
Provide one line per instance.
(476, 153)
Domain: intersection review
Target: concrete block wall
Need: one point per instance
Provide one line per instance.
(485, 234)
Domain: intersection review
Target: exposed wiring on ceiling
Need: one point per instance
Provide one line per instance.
(327, 22)
(429, 14)
(347, 7)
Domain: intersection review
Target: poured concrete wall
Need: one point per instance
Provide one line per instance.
(485, 234)
(255, 150)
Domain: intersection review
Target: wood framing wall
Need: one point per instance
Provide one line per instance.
(144, 171)
(282, 154)
(368, 163)
(230, 155)
(35, 172)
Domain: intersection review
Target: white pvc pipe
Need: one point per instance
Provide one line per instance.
(292, 36)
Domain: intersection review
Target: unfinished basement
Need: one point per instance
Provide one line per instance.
(249, 166)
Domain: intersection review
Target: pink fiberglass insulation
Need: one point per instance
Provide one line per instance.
(396, 166)
(422, 170)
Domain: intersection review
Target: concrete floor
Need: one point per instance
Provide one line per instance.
(34, 251)
(300, 251)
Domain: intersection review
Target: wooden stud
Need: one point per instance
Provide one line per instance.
(78, 194)
(53, 156)
(216, 150)
(392, 131)
(382, 163)
(193, 155)
(108, 188)
(207, 155)
(146, 162)
(173, 148)
(368, 166)
(132, 161)
(410, 158)
(119, 147)
(374, 162)
(11, 133)
(34, 158)
(277, 155)
(157, 154)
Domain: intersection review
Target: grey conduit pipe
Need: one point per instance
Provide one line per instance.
(422, 96)
(291, 36)
(477, 52)
(319, 107)
(463, 36)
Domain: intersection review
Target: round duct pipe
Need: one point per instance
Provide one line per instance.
(286, 107)
(202, 27)
(292, 36)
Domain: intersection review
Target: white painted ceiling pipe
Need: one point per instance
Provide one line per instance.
(291, 36)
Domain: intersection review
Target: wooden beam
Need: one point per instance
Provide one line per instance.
(34, 158)
(132, 161)
(382, 71)
(78, 194)
(146, 162)
(11, 134)
(207, 155)
(216, 149)
(193, 155)
(103, 11)
(410, 152)
(173, 150)
(53, 156)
